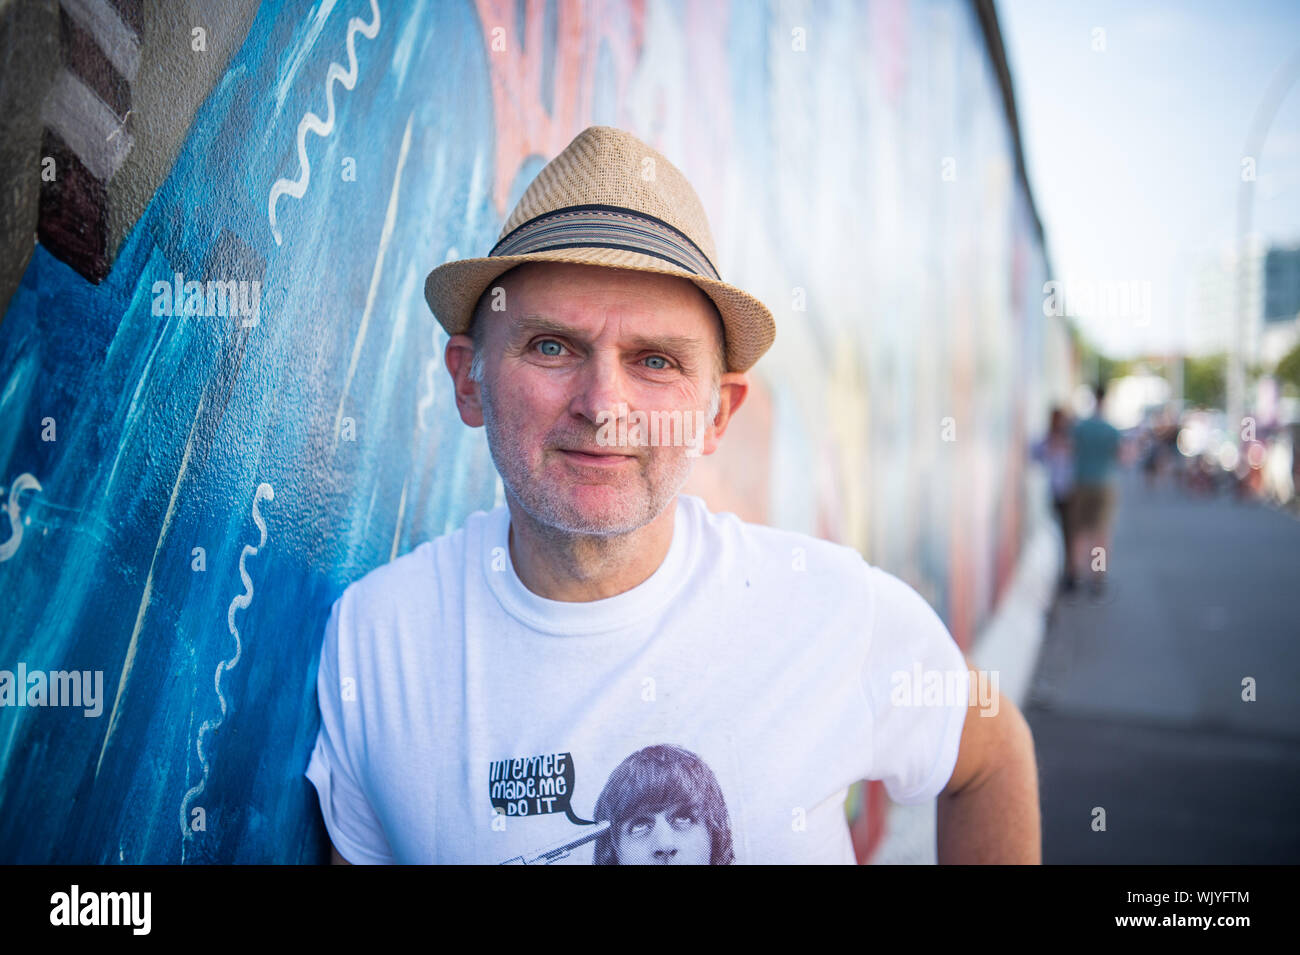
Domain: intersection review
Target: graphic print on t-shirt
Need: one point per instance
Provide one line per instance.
(533, 786)
(662, 805)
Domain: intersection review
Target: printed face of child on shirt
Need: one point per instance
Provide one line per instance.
(664, 807)
(673, 837)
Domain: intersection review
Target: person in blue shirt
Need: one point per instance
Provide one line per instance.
(1092, 505)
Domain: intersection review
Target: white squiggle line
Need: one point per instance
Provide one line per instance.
(313, 123)
(21, 483)
(264, 493)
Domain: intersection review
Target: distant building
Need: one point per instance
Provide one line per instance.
(1212, 305)
(1282, 284)
(1281, 327)
(1270, 297)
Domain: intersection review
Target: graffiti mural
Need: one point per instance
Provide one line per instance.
(222, 396)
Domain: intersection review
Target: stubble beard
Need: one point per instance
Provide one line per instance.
(642, 497)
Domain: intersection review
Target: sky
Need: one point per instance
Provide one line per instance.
(1134, 119)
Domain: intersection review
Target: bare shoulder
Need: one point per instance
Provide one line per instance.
(995, 733)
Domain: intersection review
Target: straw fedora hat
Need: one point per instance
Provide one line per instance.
(600, 203)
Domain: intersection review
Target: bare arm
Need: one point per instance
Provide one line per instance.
(988, 813)
(335, 858)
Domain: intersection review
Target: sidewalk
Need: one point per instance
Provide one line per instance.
(1137, 705)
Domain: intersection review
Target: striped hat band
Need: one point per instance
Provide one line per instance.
(595, 225)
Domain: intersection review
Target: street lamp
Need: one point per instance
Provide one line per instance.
(1259, 127)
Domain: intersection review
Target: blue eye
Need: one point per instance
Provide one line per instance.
(549, 344)
(658, 358)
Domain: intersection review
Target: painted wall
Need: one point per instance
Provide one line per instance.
(187, 493)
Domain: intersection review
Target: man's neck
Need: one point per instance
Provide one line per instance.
(581, 567)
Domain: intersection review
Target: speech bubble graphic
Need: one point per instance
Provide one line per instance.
(534, 786)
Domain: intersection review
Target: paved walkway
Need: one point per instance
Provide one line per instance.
(1136, 702)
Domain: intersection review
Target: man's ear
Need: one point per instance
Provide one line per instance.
(459, 356)
(733, 388)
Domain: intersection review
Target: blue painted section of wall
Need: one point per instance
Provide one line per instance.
(167, 426)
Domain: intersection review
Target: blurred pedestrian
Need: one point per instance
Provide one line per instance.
(1092, 504)
(1152, 450)
(1056, 453)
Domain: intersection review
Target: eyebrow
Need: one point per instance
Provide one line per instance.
(532, 324)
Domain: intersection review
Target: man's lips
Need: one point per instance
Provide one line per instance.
(599, 458)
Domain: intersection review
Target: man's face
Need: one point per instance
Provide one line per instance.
(676, 837)
(578, 347)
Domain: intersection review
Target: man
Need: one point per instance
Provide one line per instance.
(475, 692)
(1092, 506)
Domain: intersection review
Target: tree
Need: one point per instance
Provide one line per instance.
(1288, 369)
(1094, 365)
(1205, 380)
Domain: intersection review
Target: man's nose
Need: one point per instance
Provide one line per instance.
(600, 389)
(665, 840)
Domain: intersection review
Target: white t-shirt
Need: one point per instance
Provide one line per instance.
(717, 712)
